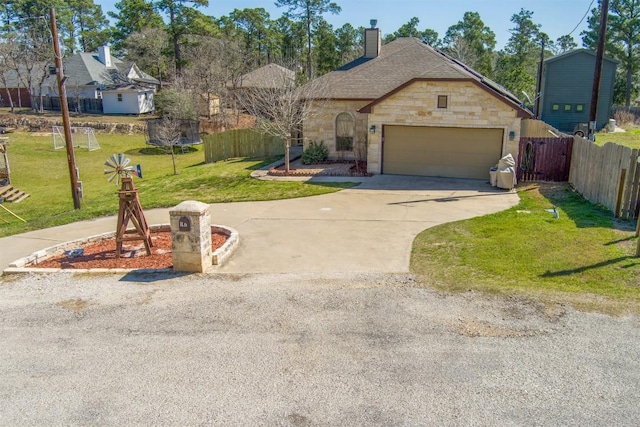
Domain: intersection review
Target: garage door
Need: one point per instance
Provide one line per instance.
(440, 151)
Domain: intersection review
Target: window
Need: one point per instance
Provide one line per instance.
(119, 97)
(442, 101)
(579, 108)
(567, 108)
(345, 125)
(555, 107)
(52, 70)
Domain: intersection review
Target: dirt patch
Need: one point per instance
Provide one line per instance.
(478, 328)
(102, 254)
(76, 305)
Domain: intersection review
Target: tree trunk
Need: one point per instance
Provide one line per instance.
(308, 41)
(286, 155)
(176, 46)
(629, 66)
(173, 160)
(10, 97)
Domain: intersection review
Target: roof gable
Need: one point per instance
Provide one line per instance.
(566, 55)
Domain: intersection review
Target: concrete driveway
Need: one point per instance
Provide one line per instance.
(368, 228)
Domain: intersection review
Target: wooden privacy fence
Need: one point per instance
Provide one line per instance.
(539, 129)
(608, 175)
(544, 159)
(240, 143)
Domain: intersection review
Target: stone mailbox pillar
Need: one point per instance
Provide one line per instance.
(191, 236)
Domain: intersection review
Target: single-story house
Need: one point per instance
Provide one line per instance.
(566, 89)
(419, 112)
(270, 76)
(122, 87)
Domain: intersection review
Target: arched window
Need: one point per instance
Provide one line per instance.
(345, 127)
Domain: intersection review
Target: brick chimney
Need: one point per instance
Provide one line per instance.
(372, 40)
(104, 55)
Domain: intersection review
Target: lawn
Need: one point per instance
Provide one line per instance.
(630, 138)
(41, 171)
(584, 257)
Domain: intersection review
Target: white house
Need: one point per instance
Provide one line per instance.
(122, 87)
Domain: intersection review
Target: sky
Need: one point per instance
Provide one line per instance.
(556, 17)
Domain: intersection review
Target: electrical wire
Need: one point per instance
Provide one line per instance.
(581, 20)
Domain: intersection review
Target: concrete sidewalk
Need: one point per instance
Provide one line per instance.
(368, 228)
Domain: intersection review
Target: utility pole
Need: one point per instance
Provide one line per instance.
(595, 91)
(71, 158)
(539, 82)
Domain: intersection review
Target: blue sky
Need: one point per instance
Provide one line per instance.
(557, 17)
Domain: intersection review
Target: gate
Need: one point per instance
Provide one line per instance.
(544, 159)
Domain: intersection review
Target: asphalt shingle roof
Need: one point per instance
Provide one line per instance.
(85, 68)
(270, 76)
(399, 62)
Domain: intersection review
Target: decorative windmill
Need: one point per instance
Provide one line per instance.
(117, 166)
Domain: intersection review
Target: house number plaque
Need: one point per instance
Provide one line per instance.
(184, 224)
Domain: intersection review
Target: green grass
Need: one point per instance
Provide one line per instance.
(584, 256)
(630, 138)
(41, 171)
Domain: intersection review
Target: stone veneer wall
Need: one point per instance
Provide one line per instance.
(322, 125)
(468, 106)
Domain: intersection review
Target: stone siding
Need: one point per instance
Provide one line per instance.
(322, 125)
(468, 106)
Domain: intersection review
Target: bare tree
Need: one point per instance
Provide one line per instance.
(460, 49)
(280, 105)
(168, 133)
(9, 51)
(215, 68)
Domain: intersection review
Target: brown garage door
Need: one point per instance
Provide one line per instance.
(440, 151)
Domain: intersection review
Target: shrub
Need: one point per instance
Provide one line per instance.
(315, 153)
(624, 119)
(175, 104)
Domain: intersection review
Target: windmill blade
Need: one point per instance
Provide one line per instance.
(117, 166)
(111, 162)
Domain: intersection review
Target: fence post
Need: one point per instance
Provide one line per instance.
(623, 176)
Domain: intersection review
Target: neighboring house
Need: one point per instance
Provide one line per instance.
(122, 87)
(418, 111)
(271, 76)
(16, 86)
(567, 84)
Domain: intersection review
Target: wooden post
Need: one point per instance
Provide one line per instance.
(637, 233)
(595, 90)
(623, 176)
(130, 210)
(64, 108)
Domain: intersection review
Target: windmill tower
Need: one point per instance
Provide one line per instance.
(130, 210)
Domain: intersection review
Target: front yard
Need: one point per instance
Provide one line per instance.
(41, 171)
(584, 257)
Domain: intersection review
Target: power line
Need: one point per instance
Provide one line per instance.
(581, 20)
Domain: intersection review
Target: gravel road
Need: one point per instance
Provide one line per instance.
(304, 350)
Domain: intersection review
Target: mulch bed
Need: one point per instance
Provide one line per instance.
(328, 168)
(102, 254)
